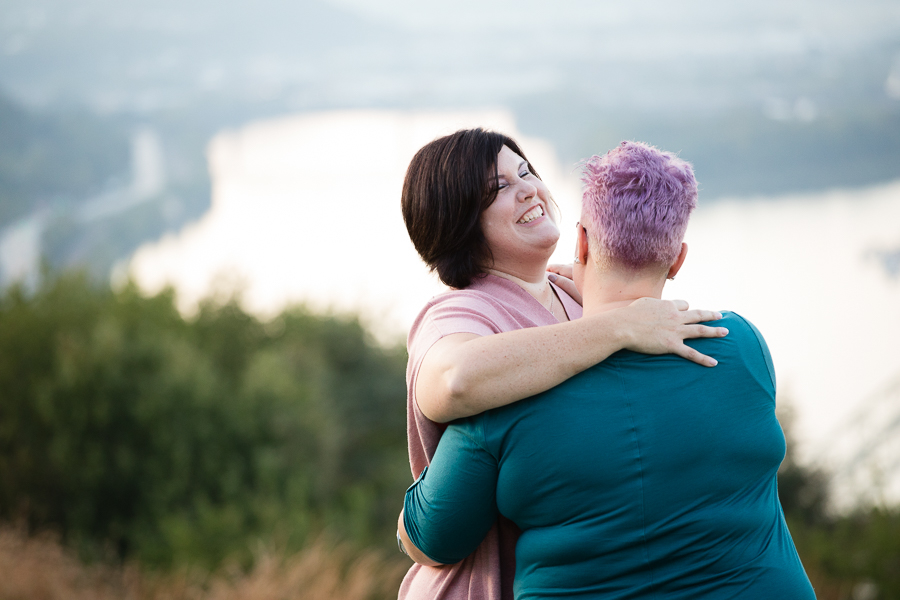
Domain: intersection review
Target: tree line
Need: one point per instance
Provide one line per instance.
(135, 431)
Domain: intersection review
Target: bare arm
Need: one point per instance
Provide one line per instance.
(464, 374)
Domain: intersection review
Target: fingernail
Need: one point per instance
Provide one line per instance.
(713, 362)
(723, 331)
(718, 316)
(552, 277)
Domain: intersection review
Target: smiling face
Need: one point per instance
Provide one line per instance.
(520, 225)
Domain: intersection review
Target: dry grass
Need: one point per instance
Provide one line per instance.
(39, 568)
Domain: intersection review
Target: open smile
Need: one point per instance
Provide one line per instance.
(532, 214)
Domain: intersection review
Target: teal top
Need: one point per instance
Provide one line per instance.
(642, 477)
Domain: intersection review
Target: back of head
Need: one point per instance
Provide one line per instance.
(449, 183)
(636, 205)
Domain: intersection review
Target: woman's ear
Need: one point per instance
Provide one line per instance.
(676, 266)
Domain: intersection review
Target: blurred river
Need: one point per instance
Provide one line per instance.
(306, 208)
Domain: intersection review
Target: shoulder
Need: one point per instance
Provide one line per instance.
(464, 298)
(456, 311)
(489, 305)
(460, 311)
(740, 329)
(746, 341)
(741, 326)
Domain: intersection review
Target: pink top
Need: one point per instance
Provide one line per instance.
(489, 305)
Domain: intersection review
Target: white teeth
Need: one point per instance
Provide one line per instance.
(531, 215)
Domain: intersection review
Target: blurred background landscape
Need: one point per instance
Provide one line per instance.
(206, 281)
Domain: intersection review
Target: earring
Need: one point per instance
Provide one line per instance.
(672, 278)
(577, 261)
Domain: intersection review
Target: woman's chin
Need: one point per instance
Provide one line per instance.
(550, 239)
(536, 253)
(541, 228)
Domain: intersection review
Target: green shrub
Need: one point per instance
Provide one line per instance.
(125, 426)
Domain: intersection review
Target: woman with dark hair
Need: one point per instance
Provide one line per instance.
(479, 215)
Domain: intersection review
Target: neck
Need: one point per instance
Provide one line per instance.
(534, 281)
(608, 288)
(525, 268)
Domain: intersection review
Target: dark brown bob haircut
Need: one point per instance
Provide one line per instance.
(448, 184)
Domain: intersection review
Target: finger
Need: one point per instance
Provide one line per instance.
(681, 304)
(702, 331)
(698, 316)
(694, 356)
(564, 270)
(568, 286)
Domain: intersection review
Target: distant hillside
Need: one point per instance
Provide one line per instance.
(84, 179)
(763, 96)
(48, 158)
(739, 152)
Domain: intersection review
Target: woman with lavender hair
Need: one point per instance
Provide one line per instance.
(643, 476)
(479, 215)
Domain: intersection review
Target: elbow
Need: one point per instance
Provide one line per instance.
(456, 399)
(449, 401)
(458, 390)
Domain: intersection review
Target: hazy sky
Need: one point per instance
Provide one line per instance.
(760, 21)
(356, 51)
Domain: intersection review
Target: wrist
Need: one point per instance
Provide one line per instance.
(617, 323)
(400, 544)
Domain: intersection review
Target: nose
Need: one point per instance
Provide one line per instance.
(526, 191)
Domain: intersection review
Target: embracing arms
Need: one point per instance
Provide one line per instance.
(464, 374)
(450, 508)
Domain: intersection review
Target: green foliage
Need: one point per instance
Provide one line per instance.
(802, 490)
(849, 552)
(846, 555)
(183, 441)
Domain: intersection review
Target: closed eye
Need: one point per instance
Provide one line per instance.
(524, 170)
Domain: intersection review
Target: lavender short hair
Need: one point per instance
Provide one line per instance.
(636, 204)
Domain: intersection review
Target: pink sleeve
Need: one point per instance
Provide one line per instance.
(461, 312)
(471, 315)
(455, 312)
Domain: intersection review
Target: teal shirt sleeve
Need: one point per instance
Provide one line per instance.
(451, 507)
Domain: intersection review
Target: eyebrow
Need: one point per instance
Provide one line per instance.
(496, 177)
